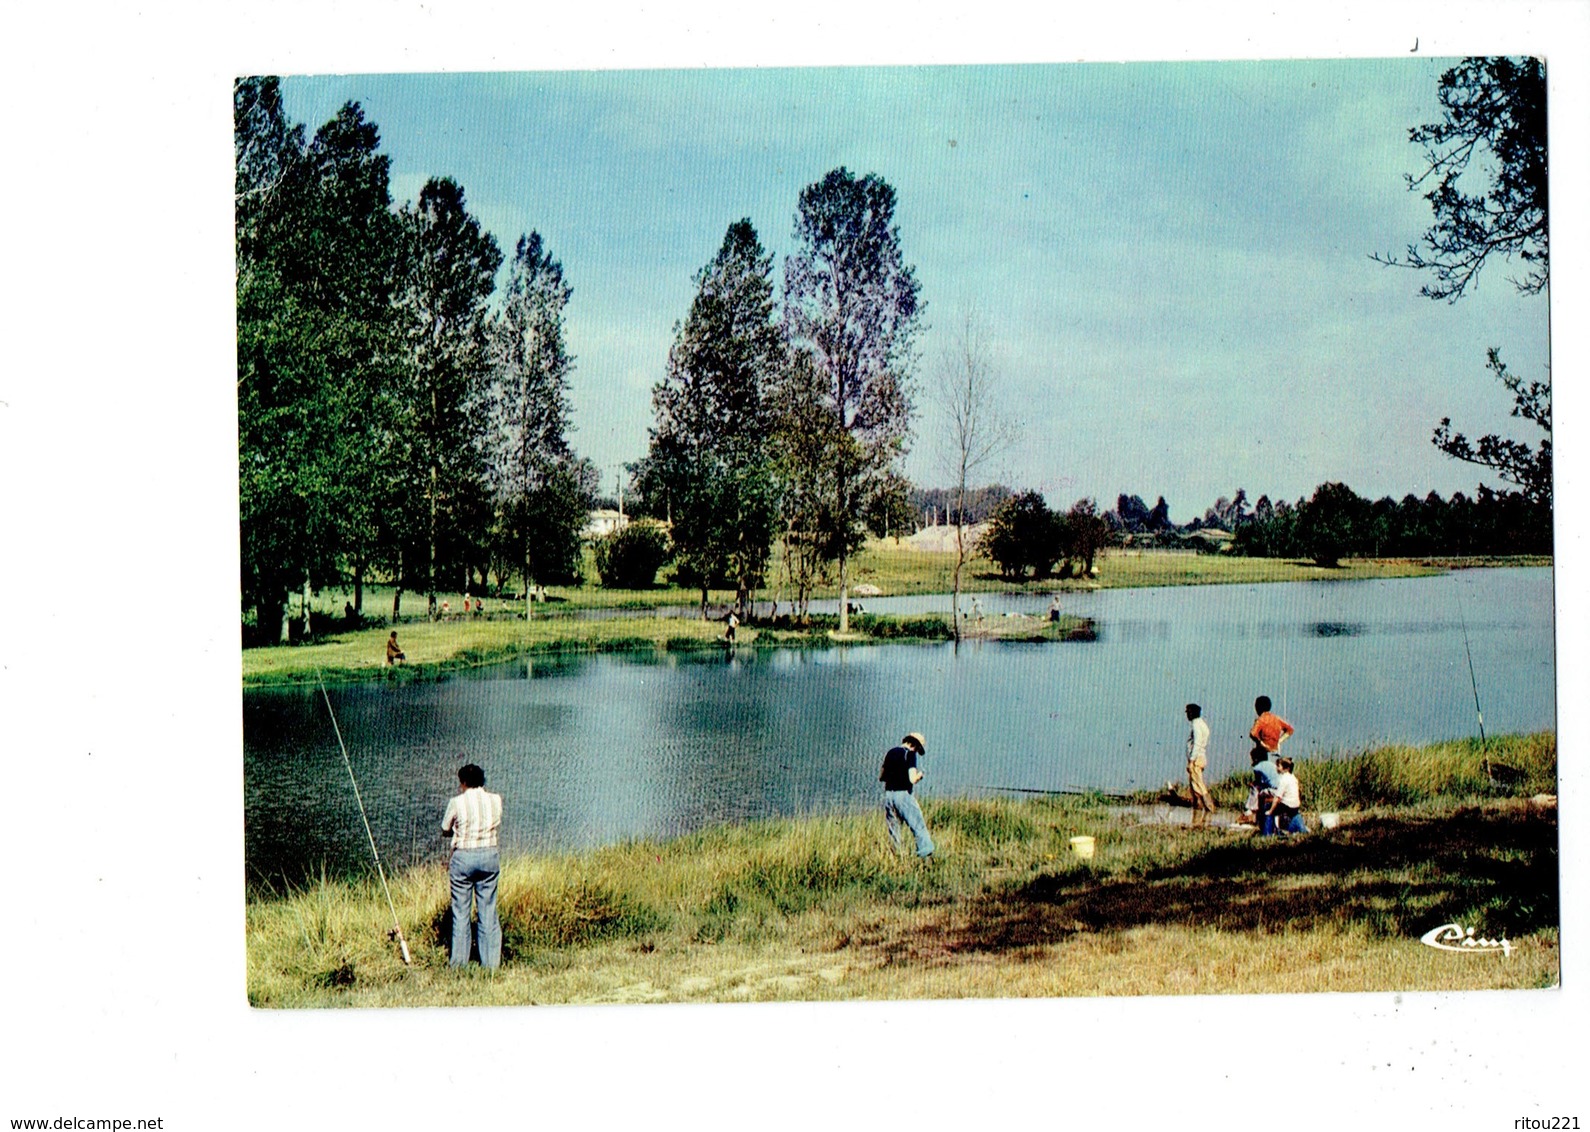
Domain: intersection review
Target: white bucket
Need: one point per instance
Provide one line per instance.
(1329, 821)
(1083, 847)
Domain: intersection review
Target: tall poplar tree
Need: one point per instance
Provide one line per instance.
(852, 301)
(709, 448)
(526, 444)
(449, 271)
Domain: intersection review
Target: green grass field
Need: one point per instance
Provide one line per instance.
(819, 908)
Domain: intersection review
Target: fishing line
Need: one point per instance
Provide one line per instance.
(1473, 683)
(347, 762)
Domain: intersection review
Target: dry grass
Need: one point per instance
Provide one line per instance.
(820, 909)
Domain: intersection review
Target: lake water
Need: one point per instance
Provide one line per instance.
(589, 750)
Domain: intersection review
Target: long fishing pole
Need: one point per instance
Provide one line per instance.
(347, 762)
(1473, 683)
(1074, 790)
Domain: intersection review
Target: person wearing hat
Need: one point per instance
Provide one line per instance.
(900, 773)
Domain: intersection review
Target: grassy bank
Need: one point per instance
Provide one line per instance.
(433, 649)
(820, 909)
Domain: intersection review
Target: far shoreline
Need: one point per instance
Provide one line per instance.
(502, 635)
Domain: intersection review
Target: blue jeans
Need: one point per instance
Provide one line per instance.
(473, 873)
(901, 805)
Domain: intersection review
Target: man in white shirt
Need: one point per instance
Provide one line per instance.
(1197, 759)
(1287, 804)
(474, 815)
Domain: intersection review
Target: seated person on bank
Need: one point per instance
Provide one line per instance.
(1286, 804)
(393, 653)
(1266, 775)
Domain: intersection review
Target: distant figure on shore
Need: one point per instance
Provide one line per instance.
(472, 820)
(393, 653)
(1197, 759)
(900, 773)
(1054, 610)
(731, 622)
(977, 610)
(1286, 805)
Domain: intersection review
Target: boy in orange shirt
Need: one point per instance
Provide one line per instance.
(1269, 730)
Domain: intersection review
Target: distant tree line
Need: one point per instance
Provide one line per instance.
(399, 417)
(1025, 539)
(1336, 523)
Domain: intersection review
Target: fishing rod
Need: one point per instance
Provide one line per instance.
(397, 926)
(1473, 683)
(1074, 790)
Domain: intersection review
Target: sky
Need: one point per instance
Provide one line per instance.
(1172, 260)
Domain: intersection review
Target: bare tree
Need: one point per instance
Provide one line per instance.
(965, 392)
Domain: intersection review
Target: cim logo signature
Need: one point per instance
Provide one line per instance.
(1454, 937)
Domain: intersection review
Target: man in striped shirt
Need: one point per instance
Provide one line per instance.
(473, 818)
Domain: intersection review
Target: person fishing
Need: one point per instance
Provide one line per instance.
(1269, 730)
(472, 820)
(1197, 759)
(900, 773)
(394, 654)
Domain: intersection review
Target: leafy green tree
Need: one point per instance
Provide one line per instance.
(1331, 524)
(809, 449)
(1081, 534)
(315, 346)
(1515, 461)
(630, 557)
(1494, 122)
(851, 300)
(709, 446)
(890, 511)
(526, 407)
(557, 511)
(449, 269)
(1022, 536)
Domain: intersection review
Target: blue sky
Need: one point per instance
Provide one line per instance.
(1173, 259)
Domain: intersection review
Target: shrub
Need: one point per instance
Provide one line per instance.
(630, 557)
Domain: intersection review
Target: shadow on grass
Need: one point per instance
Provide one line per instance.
(1397, 877)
